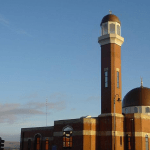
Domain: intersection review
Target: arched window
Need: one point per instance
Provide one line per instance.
(67, 137)
(46, 144)
(146, 142)
(112, 28)
(118, 29)
(37, 142)
(147, 110)
(135, 110)
(29, 144)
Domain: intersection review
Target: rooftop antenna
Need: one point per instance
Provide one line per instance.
(110, 12)
(141, 82)
(46, 111)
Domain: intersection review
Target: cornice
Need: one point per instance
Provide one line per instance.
(111, 38)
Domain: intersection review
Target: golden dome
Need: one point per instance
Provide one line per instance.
(137, 97)
(110, 17)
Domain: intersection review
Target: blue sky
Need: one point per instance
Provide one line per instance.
(49, 49)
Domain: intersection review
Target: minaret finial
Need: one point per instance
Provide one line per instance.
(110, 12)
(141, 82)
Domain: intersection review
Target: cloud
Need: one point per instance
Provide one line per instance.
(3, 20)
(6, 23)
(23, 32)
(50, 105)
(12, 112)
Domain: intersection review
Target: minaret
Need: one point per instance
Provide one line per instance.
(110, 41)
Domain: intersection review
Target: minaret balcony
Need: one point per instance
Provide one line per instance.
(111, 38)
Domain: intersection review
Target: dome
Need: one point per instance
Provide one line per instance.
(110, 17)
(137, 97)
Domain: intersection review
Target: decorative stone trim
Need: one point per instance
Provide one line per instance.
(117, 69)
(111, 114)
(96, 133)
(90, 120)
(141, 109)
(111, 38)
(91, 132)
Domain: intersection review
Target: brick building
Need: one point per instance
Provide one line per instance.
(120, 126)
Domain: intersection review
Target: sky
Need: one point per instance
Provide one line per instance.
(50, 50)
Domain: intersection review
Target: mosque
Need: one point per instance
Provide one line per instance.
(122, 125)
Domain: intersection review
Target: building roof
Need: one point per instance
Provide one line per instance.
(137, 97)
(110, 17)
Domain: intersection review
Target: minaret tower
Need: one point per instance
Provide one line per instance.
(110, 41)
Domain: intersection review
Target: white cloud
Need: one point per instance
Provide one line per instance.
(6, 23)
(3, 20)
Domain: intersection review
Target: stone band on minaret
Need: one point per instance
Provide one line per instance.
(110, 38)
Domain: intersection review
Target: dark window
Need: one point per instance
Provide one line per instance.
(112, 28)
(117, 79)
(146, 142)
(135, 110)
(147, 109)
(29, 144)
(121, 140)
(106, 78)
(105, 29)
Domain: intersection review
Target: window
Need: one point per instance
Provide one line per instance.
(146, 142)
(46, 144)
(104, 29)
(135, 110)
(67, 137)
(118, 29)
(38, 144)
(120, 140)
(129, 142)
(117, 79)
(37, 141)
(147, 110)
(112, 28)
(29, 144)
(106, 78)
